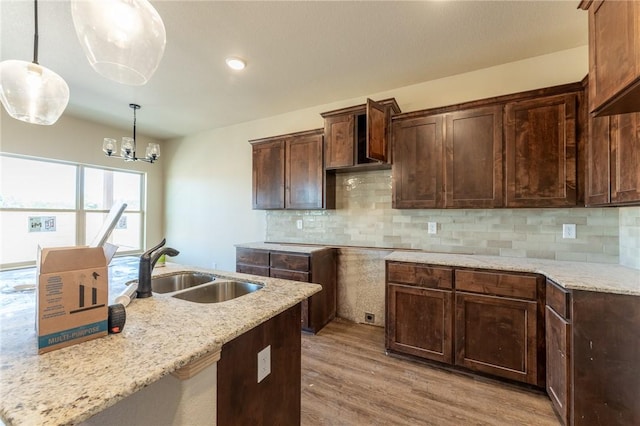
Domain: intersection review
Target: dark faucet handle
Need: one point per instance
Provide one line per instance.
(147, 254)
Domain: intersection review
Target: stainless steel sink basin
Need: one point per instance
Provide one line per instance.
(179, 281)
(218, 292)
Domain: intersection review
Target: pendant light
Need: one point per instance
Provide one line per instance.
(123, 40)
(30, 92)
(128, 147)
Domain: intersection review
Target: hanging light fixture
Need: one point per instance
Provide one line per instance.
(123, 40)
(30, 92)
(128, 147)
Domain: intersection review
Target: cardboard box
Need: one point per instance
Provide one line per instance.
(72, 296)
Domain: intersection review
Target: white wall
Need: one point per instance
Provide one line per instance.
(80, 141)
(208, 175)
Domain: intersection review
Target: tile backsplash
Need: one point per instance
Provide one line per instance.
(630, 237)
(363, 217)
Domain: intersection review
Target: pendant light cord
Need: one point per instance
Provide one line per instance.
(35, 35)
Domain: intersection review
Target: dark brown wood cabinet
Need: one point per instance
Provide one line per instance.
(473, 158)
(288, 172)
(500, 324)
(558, 349)
(541, 152)
(417, 165)
(491, 322)
(614, 56)
(268, 174)
(449, 160)
(613, 158)
(241, 399)
(419, 317)
(605, 353)
(316, 266)
(357, 137)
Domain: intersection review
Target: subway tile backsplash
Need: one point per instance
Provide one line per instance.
(364, 217)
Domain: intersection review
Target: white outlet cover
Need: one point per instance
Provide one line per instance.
(569, 230)
(299, 223)
(432, 227)
(264, 363)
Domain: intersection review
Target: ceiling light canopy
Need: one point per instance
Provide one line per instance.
(123, 40)
(30, 92)
(236, 63)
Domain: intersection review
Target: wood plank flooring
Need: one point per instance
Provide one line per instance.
(348, 380)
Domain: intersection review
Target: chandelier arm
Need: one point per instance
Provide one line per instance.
(35, 34)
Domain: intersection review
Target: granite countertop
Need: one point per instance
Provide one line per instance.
(599, 277)
(283, 247)
(161, 335)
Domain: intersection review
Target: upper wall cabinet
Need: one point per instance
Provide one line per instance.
(449, 160)
(357, 137)
(541, 151)
(614, 56)
(613, 160)
(288, 173)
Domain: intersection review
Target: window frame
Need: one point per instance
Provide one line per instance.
(80, 211)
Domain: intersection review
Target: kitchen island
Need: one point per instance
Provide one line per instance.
(162, 336)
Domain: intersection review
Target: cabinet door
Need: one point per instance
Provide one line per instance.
(339, 144)
(268, 175)
(417, 163)
(497, 335)
(598, 164)
(625, 153)
(558, 343)
(614, 57)
(419, 322)
(305, 305)
(473, 158)
(377, 131)
(541, 152)
(305, 173)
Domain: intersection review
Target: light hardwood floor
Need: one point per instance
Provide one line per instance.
(348, 380)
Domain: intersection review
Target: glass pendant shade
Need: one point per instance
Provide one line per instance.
(123, 40)
(32, 93)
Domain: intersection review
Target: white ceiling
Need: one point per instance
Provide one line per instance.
(300, 54)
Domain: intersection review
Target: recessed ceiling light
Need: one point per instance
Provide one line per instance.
(236, 63)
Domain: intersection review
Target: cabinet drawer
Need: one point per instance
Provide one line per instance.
(290, 275)
(253, 270)
(252, 257)
(293, 262)
(498, 284)
(559, 299)
(419, 275)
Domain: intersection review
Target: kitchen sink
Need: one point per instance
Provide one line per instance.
(179, 281)
(218, 291)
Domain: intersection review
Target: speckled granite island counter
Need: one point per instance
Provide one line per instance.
(162, 334)
(597, 277)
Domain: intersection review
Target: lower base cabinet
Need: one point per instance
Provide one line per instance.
(275, 400)
(314, 266)
(497, 319)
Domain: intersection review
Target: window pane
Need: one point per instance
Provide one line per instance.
(103, 188)
(23, 231)
(36, 184)
(126, 234)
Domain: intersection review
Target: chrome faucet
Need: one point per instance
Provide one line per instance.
(147, 262)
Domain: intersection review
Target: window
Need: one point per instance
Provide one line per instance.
(55, 204)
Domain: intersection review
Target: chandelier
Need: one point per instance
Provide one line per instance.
(128, 146)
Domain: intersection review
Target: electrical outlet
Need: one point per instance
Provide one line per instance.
(299, 223)
(369, 318)
(569, 230)
(432, 227)
(264, 363)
